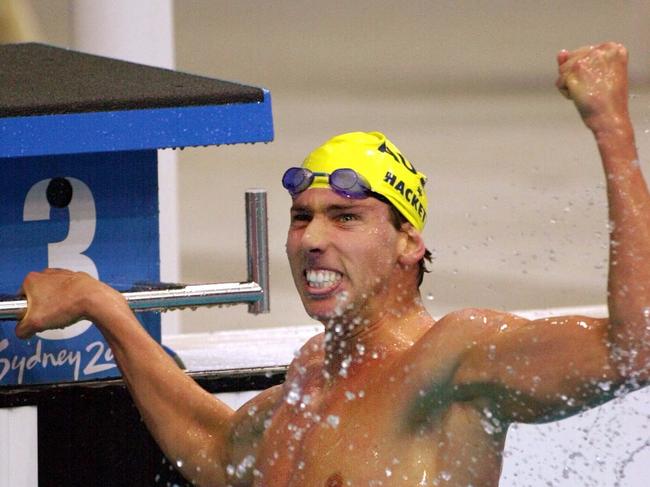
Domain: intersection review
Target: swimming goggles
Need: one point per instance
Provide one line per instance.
(345, 182)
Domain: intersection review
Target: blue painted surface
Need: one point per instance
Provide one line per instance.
(136, 129)
(124, 248)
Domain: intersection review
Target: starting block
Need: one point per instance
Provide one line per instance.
(79, 136)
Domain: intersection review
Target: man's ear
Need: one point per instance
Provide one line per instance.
(412, 246)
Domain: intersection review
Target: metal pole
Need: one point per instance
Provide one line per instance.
(257, 247)
(178, 297)
(255, 292)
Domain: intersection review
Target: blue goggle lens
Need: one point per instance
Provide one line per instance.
(346, 182)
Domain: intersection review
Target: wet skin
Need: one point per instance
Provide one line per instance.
(438, 399)
(395, 398)
(388, 396)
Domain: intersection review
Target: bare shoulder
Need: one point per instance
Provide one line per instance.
(524, 368)
(476, 326)
(250, 419)
(310, 355)
(253, 418)
(495, 337)
(312, 347)
(246, 431)
(442, 350)
(531, 367)
(478, 336)
(248, 422)
(483, 318)
(467, 327)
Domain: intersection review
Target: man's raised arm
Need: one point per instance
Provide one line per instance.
(553, 367)
(595, 78)
(190, 426)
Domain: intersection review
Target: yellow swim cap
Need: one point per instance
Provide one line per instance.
(387, 171)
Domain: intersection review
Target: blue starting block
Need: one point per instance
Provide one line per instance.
(79, 136)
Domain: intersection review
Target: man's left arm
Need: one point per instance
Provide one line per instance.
(595, 78)
(543, 369)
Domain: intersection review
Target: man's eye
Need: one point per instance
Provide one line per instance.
(300, 217)
(348, 217)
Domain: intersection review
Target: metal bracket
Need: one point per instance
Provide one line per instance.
(255, 292)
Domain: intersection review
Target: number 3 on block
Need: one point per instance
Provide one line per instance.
(69, 252)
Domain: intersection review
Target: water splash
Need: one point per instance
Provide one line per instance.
(294, 394)
(333, 421)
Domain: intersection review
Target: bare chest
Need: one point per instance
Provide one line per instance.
(358, 434)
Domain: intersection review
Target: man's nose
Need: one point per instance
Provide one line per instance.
(316, 235)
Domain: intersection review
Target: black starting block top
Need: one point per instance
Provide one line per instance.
(55, 101)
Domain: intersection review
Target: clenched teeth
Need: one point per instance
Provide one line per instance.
(322, 278)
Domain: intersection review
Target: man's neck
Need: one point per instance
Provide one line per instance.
(351, 343)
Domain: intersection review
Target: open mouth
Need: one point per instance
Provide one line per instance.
(322, 280)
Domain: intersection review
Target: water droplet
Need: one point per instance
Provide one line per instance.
(444, 475)
(306, 401)
(345, 364)
(389, 472)
(430, 296)
(293, 396)
(333, 421)
(247, 463)
(179, 463)
(565, 472)
(490, 424)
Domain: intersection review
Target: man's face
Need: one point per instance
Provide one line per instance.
(343, 254)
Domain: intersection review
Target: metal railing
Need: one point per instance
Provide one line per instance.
(164, 297)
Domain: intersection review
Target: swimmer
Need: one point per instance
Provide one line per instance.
(387, 395)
